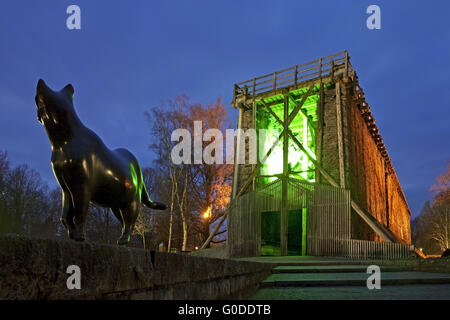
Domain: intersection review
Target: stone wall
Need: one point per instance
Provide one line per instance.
(36, 269)
(220, 252)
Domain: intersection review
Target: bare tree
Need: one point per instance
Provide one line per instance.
(431, 229)
(163, 121)
(194, 188)
(213, 181)
(441, 189)
(27, 205)
(4, 170)
(440, 225)
(25, 199)
(51, 225)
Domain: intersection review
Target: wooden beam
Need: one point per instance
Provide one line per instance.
(257, 144)
(284, 181)
(324, 173)
(269, 175)
(236, 156)
(319, 140)
(340, 135)
(311, 158)
(310, 122)
(300, 104)
(376, 226)
(272, 113)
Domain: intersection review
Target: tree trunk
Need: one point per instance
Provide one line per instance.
(183, 210)
(174, 190)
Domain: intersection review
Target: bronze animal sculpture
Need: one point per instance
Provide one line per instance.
(88, 171)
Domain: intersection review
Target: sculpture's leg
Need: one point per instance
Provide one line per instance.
(81, 203)
(129, 215)
(67, 214)
(118, 215)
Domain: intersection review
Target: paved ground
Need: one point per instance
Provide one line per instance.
(307, 260)
(311, 278)
(353, 278)
(331, 269)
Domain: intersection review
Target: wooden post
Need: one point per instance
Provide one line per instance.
(332, 70)
(320, 68)
(284, 181)
(254, 87)
(274, 80)
(346, 64)
(304, 227)
(236, 156)
(319, 133)
(339, 135)
(254, 128)
(295, 75)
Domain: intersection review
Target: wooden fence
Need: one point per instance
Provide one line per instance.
(328, 222)
(322, 67)
(359, 249)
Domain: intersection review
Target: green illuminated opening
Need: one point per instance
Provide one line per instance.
(302, 127)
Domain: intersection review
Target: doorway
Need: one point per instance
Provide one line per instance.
(270, 233)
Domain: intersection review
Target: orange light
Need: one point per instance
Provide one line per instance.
(207, 213)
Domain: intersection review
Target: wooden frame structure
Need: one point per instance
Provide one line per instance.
(252, 94)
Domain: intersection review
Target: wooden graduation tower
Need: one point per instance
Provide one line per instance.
(323, 183)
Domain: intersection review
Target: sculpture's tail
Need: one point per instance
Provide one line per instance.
(149, 203)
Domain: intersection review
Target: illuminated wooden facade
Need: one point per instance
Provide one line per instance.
(328, 147)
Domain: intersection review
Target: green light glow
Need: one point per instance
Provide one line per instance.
(299, 165)
(135, 180)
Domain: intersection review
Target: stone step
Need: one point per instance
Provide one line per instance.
(352, 279)
(319, 263)
(403, 292)
(332, 269)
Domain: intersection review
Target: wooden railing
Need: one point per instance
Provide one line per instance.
(364, 249)
(359, 249)
(322, 67)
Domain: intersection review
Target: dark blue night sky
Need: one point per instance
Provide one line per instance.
(132, 55)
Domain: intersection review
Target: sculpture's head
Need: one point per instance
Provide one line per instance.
(53, 107)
